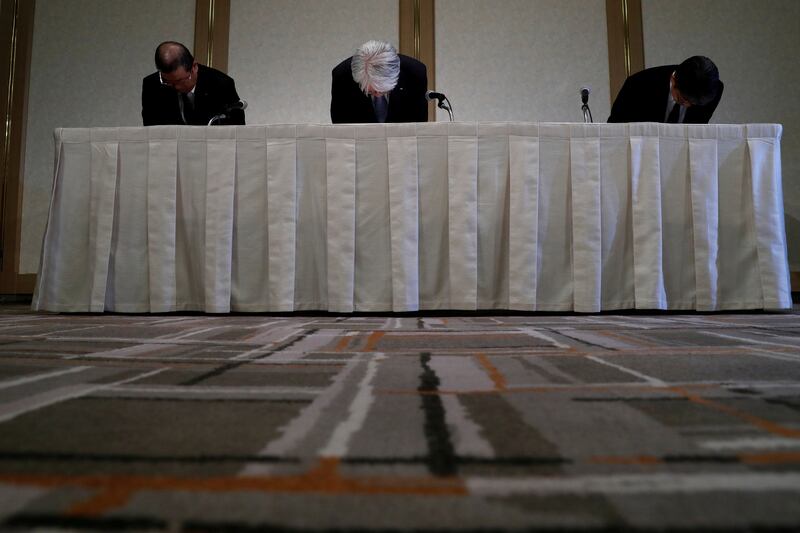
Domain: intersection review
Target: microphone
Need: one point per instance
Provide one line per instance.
(431, 96)
(241, 104)
(443, 102)
(585, 94)
(587, 113)
(236, 106)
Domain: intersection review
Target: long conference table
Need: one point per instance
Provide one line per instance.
(410, 217)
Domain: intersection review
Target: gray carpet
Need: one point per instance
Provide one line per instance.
(633, 422)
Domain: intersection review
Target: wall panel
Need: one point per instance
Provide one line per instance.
(282, 52)
(87, 65)
(522, 59)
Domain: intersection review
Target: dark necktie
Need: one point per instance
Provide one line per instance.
(674, 114)
(381, 108)
(187, 108)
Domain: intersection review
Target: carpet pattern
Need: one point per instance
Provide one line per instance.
(639, 422)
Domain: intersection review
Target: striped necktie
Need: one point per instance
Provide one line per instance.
(381, 108)
(186, 107)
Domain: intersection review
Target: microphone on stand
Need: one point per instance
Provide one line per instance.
(241, 104)
(587, 113)
(236, 106)
(441, 99)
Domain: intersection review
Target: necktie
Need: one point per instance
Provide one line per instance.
(381, 108)
(187, 107)
(674, 114)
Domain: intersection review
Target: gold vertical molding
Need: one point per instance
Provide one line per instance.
(16, 28)
(626, 29)
(417, 38)
(9, 105)
(416, 28)
(210, 50)
(625, 41)
(212, 32)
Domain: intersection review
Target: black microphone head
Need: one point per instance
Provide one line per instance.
(430, 96)
(235, 106)
(585, 94)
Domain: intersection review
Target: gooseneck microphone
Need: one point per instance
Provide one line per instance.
(236, 106)
(241, 104)
(585, 94)
(587, 113)
(443, 102)
(431, 95)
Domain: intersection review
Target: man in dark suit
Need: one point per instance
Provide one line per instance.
(687, 93)
(379, 85)
(184, 92)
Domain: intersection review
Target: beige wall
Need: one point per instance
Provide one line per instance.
(522, 60)
(282, 52)
(754, 45)
(87, 65)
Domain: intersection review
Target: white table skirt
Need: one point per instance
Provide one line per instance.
(407, 217)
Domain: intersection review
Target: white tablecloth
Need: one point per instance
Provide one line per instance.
(406, 217)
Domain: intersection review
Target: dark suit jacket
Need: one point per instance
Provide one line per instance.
(213, 92)
(349, 105)
(643, 98)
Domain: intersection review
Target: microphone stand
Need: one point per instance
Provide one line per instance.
(587, 114)
(241, 104)
(440, 102)
(447, 107)
(216, 118)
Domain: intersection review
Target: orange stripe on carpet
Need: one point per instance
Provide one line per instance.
(498, 379)
(108, 498)
(115, 490)
(343, 343)
(372, 341)
(766, 425)
(770, 458)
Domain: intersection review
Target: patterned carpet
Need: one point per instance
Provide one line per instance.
(633, 422)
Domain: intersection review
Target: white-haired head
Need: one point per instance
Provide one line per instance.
(376, 67)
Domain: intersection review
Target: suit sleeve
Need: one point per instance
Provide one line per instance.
(621, 109)
(231, 97)
(338, 113)
(708, 109)
(421, 105)
(149, 114)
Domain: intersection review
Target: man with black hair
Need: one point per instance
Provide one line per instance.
(184, 92)
(686, 94)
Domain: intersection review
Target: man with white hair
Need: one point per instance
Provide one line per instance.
(379, 85)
